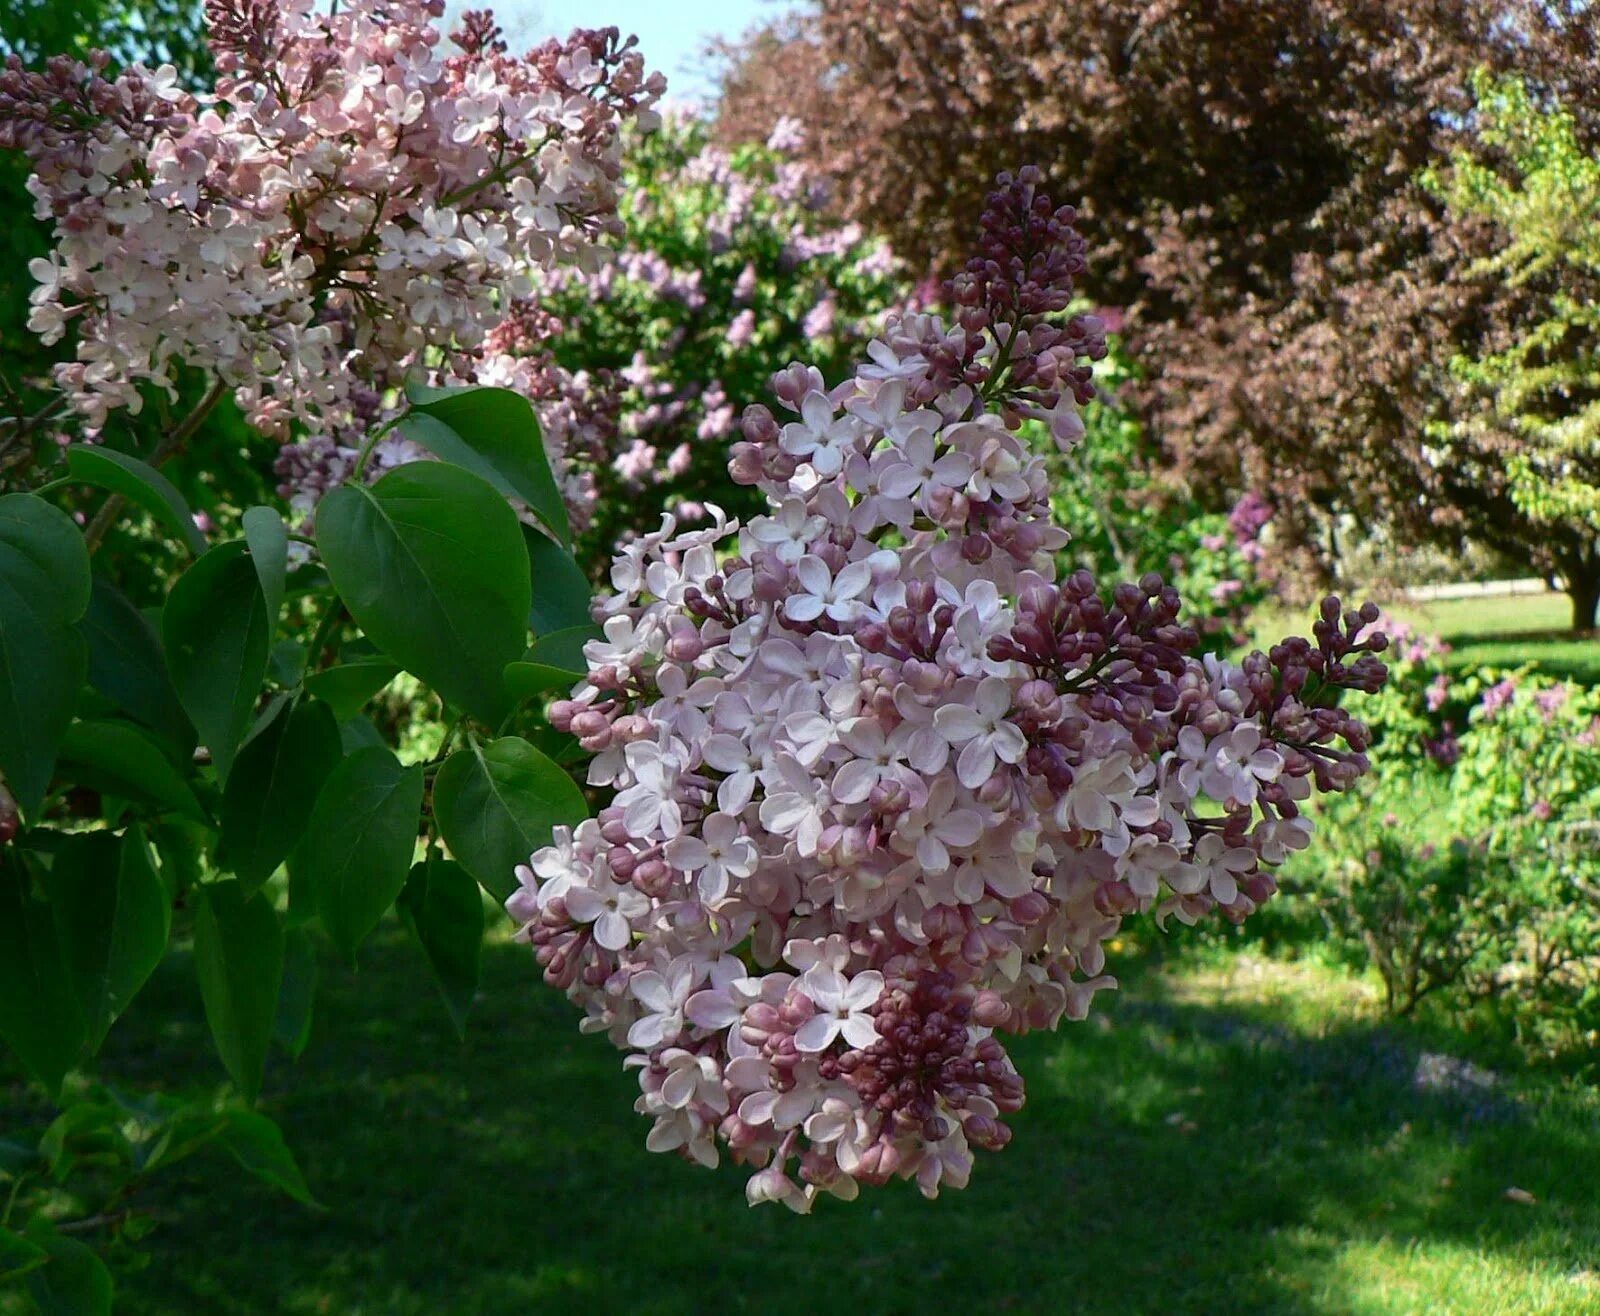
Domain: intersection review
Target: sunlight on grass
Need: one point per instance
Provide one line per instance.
(1389, 1275)
(1225, 1135)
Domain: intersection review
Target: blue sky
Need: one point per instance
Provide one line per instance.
(671, 32)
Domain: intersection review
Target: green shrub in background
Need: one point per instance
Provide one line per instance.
(1467, 872)
(1127, 517)
(731, 269)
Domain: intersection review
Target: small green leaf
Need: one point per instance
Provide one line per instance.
(88, 1132)
(431, 564)
(494, 433)
(496, 805)
(44, 590)
(273, 788)
(112, 916)
(141, 484)
(347, 687)
(17, 1159)
(181, 846)
(126, 665)
(524, 680)
(40, 1017)
(268, 540)
(444, 908)
(286, 663)
(555, 662)
(292, 1028)
(121, 759)
(564, 649)
(73, 1282)
(217, 631)
(561, 592)
(359, 733)
(18, 1256)
(238, 955)
(358, 848)
(257, 1144)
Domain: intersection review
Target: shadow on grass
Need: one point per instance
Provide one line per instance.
(1174, 1157)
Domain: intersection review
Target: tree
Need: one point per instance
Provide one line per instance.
(1293, 294)
(1526, 174)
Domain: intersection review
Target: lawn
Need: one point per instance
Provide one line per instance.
(1228, 1135)
(1508, 632)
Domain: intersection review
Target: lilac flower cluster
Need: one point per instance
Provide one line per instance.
(882, 790)
(348, 198)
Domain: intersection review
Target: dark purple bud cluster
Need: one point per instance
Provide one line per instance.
(924, 1056)
(58, 114)
(1122, 660)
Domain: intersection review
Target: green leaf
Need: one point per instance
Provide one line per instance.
(126, 665)
(496, 805)
(561, 592)
(268, 541)
(238, 955)
(292, 1028)
(73, 1282)
(348, 687)
(17, 1159)
(494, 433)
(18, 1256)
(444, 908)
(181, 847)
(430, 562)
(141, 484)
(217, 631)
(359, 733)
(555, 662)
(42, 554)
(358, 848)
(119, 758)
(44, 590)
(273, 788)
(525, 680)
(87, 1133)
(257, 1144)
(286, 663)
(564, 649)
(112, 916)
(40, 1017)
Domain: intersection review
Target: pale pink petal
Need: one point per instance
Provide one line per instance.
(611, 930)
(713, 1010)
(957, 724)
(817, 1033)
(976, 764)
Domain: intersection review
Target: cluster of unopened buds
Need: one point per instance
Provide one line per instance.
(351, 196)
(881, 789)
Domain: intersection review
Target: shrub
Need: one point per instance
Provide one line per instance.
(1468, 869)
(731, 269)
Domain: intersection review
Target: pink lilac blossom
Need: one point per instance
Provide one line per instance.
(883, 790)
(350, 197)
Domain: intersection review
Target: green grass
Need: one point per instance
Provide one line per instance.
(1466, 620)
(1508, 632)
(1228, 1135)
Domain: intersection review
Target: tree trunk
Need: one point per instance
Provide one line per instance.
(1583, 588)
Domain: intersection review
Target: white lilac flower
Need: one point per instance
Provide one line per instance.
(879, 789)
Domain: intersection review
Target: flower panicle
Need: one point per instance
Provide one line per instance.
(882, 789)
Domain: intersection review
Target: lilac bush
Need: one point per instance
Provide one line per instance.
(881, 789)
(731, 267)
(350, 197)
